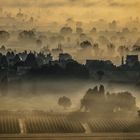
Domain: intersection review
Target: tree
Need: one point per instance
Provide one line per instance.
(102, 89)
(96, 101)
(66, 31)
(27, 35)
(111, 48)
(125, 101)
(39, 42)
(79, 24)
(103, 40)
(42, 37)
(16, 59)
(56, 39)
(89, 100)
(79, 30)
(4, 62)
(4, 36)
(85, 44)
(31, 60)
(64, 102)
(93, 30)
(125, 30)
(113, 25)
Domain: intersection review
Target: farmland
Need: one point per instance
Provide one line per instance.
(39, 125)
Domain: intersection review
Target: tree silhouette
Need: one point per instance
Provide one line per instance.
(66, 30)
(4, 62)
(79, 30)
(4, 36)
(93, 30)
(125, 101)
(31, 60)
(39, 42)
(97, 102)
(85, 44)
(101, 90)
(27, 35)
(64, 102)
(89, 100)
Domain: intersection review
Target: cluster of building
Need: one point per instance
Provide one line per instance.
(130, 61)
(128, 70)
(22, 62)
(26, 60)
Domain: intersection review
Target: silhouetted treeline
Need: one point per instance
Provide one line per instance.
(71, 70)
(39, 64)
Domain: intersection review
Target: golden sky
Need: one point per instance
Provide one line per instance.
(78, 9)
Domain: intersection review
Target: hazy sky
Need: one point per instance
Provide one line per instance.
(78, 9)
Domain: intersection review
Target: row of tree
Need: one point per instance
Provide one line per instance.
(97, 101)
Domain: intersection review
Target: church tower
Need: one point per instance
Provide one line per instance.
(122, 60)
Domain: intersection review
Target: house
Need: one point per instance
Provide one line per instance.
(132, 60)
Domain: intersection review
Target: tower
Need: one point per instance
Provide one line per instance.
(122, 60)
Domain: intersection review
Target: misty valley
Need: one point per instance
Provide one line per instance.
(44, 95)
(69, 69)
